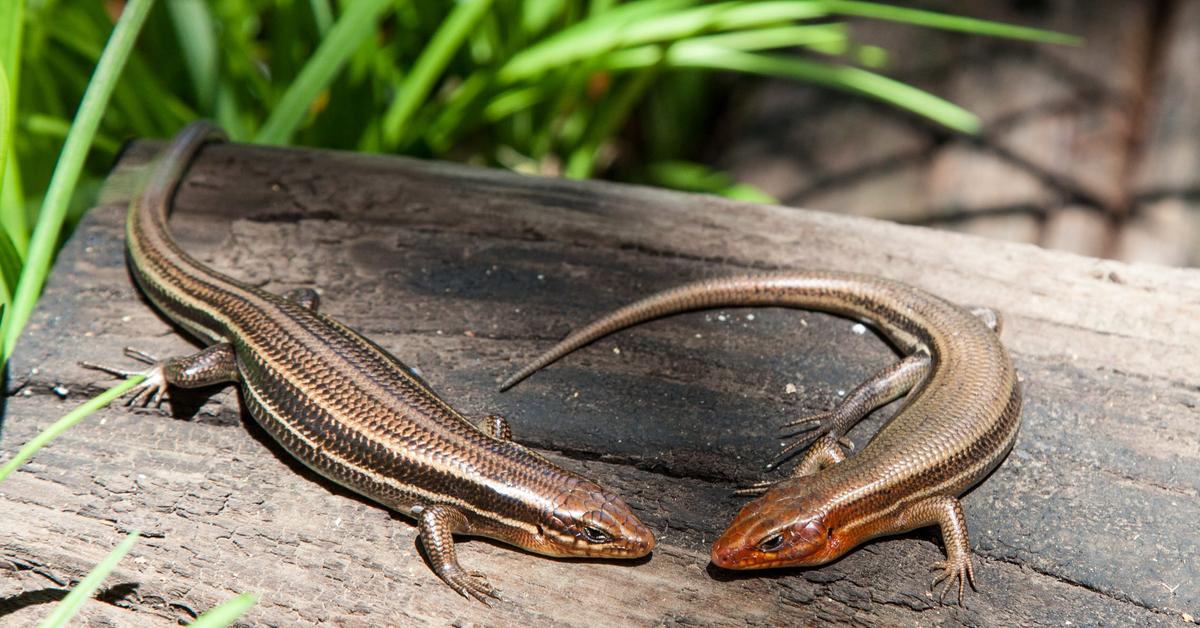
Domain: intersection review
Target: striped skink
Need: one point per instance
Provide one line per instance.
(958, 422)
(353, 413)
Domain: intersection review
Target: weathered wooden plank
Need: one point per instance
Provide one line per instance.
(464, 273)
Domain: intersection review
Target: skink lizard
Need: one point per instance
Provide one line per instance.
(353, 413)
(958, 422)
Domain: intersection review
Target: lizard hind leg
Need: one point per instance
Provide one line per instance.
(825, 452)
(216, 364)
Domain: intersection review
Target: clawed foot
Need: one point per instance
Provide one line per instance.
(953, 570)
(814, 426)
(473, 584)
(152, 390)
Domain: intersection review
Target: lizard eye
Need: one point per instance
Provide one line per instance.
(771, 543)
(596, 535)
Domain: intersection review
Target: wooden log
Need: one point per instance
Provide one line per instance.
(466, 273)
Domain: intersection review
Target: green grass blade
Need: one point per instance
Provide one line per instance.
(6, 109)
(226, 613)
(322, 16)
(932, 19)
(358, 24)
(846, 78)
(66, 172)
(12, 201)
(514, 100)
(696, 177)
(822, 36)
(455, 114)
(748, 193)
(722, 16)
(10, 268)
(633, 58)
(582, 161)
(73, 417)
(58, 128)
(600, 6)
(12, 209)
(66, 609)
(228, 114)
(430, 65)
(536, 15)
(12, 26)
(832, 38)
(833, 35)
(584, 40)
(197, 37)
(603, 34)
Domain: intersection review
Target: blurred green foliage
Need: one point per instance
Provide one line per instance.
(544, 86)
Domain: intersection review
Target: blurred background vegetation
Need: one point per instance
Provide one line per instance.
(545, 86)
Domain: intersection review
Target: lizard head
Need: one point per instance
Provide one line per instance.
(783, 528)
(589, 520)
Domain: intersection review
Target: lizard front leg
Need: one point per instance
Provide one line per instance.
(945, 512)
(437, 525)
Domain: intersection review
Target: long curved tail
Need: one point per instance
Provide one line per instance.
(880, 300)
(681, 299)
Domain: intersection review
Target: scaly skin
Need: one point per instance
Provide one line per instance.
(358, 416)
(959, 421)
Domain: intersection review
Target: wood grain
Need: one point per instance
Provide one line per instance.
(465, 273)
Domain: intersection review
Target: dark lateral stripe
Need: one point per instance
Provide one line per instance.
(337, 401)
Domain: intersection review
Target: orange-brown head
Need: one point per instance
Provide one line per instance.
(788, 526)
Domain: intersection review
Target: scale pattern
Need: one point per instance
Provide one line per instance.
(354, 413)
(957, 424)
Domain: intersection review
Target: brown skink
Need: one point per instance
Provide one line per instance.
(958, 422)
(355, 414)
